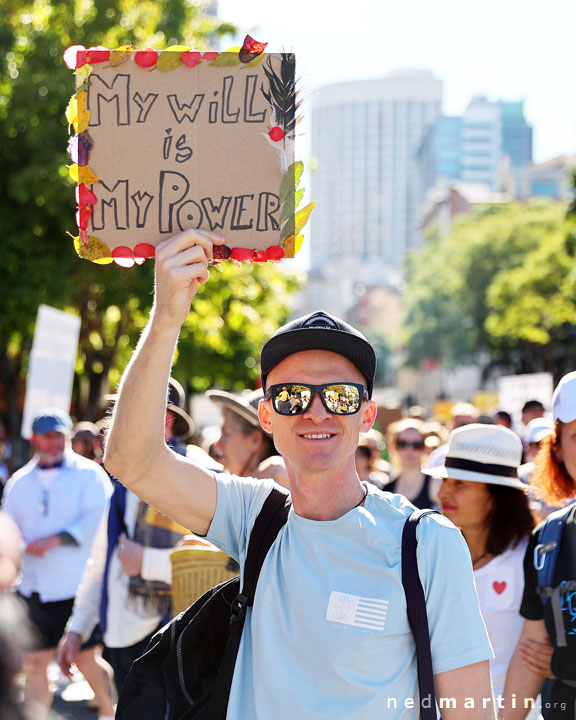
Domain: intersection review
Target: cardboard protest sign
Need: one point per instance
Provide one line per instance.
(51, 366)
(515, 390)
(177, 139)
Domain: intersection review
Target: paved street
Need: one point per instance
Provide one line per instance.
(71, 700)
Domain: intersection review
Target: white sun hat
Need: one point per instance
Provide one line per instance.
(564, 399)
(482, 453)
(537, 430)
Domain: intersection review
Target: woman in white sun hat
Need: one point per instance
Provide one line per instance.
(482, 495)
(549, 604)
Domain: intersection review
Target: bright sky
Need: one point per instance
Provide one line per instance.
(504, 49)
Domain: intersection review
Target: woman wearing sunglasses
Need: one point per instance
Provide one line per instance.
(406, 440)
(482, 495)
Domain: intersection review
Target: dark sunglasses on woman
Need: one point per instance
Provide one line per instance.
(415, 445)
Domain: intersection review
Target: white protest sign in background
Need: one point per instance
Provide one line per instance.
(51, 365)
(515, 390)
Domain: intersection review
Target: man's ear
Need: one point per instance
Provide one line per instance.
(369, 413)
(265, 416)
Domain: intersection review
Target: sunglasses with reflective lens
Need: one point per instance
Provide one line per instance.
(295, 398)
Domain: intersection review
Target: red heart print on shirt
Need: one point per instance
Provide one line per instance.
(499, 587)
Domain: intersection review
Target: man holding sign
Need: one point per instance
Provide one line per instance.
(347, 651)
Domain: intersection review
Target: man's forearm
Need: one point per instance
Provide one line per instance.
(466, 692)
(522, 686)
(137, 452)
(137, 429)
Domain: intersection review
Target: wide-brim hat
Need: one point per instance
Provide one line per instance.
(564, 399)
(482, 453)
(245, 404)
(183, 426)
(320, 331)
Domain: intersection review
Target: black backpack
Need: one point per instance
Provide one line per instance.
(186, 671)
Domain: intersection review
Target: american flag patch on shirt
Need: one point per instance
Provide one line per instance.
(363, 612)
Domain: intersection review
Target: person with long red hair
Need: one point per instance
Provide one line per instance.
(550, 612)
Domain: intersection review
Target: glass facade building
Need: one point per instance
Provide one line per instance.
(470, 148)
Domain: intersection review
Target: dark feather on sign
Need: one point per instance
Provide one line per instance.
(282, 93)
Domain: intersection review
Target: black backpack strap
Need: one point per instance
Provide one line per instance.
(271, 518)
(417, 616)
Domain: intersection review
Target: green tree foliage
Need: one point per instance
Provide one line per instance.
(501, 284)
(234, 313)
(37, 258)
(382, 349)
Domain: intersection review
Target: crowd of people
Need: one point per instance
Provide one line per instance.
(85, 554)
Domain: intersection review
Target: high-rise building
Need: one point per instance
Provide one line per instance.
(365, 136)
(471, 148)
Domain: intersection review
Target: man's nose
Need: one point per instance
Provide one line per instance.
(316, 409)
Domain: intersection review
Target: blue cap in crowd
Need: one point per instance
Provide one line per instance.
(51, 420)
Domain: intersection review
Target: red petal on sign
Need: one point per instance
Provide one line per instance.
(274, 253)
(191, 58)
(146, 58)
(74, 56)
(250, 49)
(144, 250)
(276, 134)
(209, 56)
(241, 254)
(83, 215)
(97, 54)
(85, 196)
(259, 256)
(123, 256)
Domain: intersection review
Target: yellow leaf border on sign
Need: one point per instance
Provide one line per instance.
(93, 249)
(78, 116)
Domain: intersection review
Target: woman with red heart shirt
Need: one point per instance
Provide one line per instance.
(482, 495)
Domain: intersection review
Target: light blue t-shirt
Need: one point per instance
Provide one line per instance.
(329, 629)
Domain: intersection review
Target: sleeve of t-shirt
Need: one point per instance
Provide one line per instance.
(531, 607)
(451, 601)
(238, 504)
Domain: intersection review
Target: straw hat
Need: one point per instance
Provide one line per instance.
(482, 453)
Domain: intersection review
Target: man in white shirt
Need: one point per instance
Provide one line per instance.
(124, 567)
(56, 500)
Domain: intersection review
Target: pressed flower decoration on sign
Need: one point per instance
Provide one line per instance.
(163, 141)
